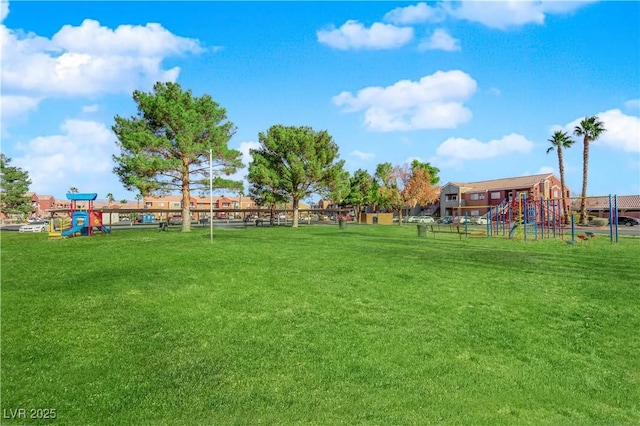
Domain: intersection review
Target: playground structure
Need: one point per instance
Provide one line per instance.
(57, 225)
(82, 221)
(527, 218)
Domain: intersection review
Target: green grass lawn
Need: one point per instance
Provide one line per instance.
(317, 325)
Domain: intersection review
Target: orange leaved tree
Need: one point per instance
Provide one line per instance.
(405, 186)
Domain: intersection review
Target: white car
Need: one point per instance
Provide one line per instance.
(481, 221)
(426, 219)
(34, 227)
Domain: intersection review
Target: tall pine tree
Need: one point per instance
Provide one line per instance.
(166, 147)
(14, 184)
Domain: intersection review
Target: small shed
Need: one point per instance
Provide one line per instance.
(376, 218)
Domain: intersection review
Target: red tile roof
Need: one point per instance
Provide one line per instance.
(505, 183)
(625, 202)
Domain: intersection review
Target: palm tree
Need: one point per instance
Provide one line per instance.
(110, 199)
(73, 190)
(559, 141)
(590, 129)
(138, 199)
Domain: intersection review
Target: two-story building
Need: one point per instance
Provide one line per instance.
(41, 203)
(475, 198)
(200, 203)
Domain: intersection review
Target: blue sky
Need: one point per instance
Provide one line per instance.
(475, 88)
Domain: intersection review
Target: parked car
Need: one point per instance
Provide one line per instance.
(462, 219)
(34, 227)
(481, 220)
(445, 220)
(175, 220)
(426, 219)
(628, 221)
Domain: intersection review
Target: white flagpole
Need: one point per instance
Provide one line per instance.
(211, 195)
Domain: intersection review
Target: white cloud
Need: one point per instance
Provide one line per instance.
(244, 148)
(623, 131)
(433, 102)
(89, 59)
(632, 104)
(415, 14)
(353, 35)
(90, 108)
(4, 10)
(513, 13)
(16, 106)
(364, 156)
(440, 40)
(473, 149)
(151, 40)
(76, 156)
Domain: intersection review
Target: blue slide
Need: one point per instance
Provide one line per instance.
(75, 226)
(70, 232)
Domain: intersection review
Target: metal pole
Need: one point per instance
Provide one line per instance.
(491, 210)
(573, 229)
(610, 220)
(211, 195)
(525, 217)
(615, 206)
(555, 218)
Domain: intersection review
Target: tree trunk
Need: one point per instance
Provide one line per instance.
(562, 194)
(400, 217)
(272, 214)
(186, 195)
(585, 170)
(296, 203)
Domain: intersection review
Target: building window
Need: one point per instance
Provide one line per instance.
(451, 197)
(160, 204)
(148, 205)
(475, 212)
(555, 193)
(475, 197)
(495, 195)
